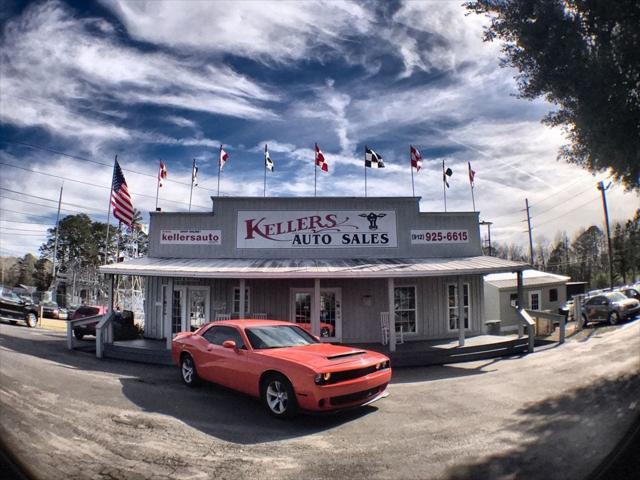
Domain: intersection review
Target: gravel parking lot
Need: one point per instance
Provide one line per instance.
(554, 414)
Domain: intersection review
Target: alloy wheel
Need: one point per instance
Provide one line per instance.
(277, 397)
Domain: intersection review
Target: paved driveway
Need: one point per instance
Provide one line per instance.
(553, 414)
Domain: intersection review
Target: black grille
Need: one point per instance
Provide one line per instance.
(354, 397)
(337, 377)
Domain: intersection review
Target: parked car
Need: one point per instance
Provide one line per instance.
(15, 309)
(52, 310)
(123, 325)
(283, 365)
(326, 329)
(566, 309)
(609, 307)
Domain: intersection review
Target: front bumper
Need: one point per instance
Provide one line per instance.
(352, 393)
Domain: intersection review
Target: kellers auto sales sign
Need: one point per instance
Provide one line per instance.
(316, 229)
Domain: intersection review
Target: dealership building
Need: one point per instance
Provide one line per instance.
(342, 267)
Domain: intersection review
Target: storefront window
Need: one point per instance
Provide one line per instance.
(405, 307)
(236, 300)
(452, 291)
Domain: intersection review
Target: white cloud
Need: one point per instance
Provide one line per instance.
(57, 71)
(264, 31)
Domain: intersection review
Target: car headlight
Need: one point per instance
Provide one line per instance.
(321, 378)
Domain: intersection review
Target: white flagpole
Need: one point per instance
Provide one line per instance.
(473, 200)
(444, 186)
(365, 171)
(265, 171)
(106, 243)
(315, 174)
(219, 168)
(193, 169)
(413, 187)
(158, 186)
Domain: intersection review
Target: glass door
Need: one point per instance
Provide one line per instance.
(198, 306)
(330, 312)
(178, 310)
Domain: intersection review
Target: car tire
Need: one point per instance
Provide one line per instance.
(78, 334)
(584, 321)
(614, 318)
(188, 371)
(31, 320)
(278, 396)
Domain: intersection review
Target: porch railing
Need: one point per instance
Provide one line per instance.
(550, 319)
(529, 323)
(104, 330)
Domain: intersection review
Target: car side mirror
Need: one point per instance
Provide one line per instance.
(229, 344)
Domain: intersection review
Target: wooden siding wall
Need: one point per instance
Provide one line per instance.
(360, 323)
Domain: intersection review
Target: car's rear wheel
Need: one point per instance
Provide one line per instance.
(614, 318)
(31, 320)
(188, 371)
(585, 320)
(278, 396)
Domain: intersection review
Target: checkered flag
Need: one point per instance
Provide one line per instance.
(372, 159)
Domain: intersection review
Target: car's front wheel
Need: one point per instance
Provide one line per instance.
(585, 320)
(614, 318)
(31, 320)
(279, 397)
(188, 371)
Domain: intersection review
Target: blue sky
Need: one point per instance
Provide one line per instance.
(172, 80)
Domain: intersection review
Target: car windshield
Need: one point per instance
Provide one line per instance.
(616, 297)
(278, 336)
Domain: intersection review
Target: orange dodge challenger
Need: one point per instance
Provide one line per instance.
(282, 364)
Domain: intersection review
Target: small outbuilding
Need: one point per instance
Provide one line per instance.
(542, 291)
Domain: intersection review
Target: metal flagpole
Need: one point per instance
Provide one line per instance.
(118, 241)
(106, 244)
(444, 186)
(158, 189)
(193, 169)
(265, 172)
(365, 171)
(219, 172)
(315, 175)
(473, 200)
(413, 187)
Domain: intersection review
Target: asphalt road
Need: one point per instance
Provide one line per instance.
(554, 414)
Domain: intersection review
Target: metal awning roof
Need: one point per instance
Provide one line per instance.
(311, 268)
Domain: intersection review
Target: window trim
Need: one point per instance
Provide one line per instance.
(468, 307)
(416, 309)
(531, 294)
(247, 304)
(553, 289)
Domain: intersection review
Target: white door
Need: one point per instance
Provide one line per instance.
(330, 311)
(179, 310)
(535, 300)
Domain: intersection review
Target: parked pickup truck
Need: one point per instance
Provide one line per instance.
(15, 309)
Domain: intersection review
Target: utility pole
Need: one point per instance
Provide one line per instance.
(55, 249)
(488, 224)
(602, 189)
(526, 202)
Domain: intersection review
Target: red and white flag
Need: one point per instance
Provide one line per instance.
(416, 158)
(320, 160)
(120, 198)
(472, 175)
(162, 174)
(224, 156)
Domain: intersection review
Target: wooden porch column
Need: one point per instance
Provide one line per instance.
(392, 315)
(241, 306)
(315, 308)
(520, 293)
(168, 319)
(461, 331)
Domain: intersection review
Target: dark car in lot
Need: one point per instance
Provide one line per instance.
(14, 308)
(609, 307)
(123, 326)
(631, 293)
(52, 310)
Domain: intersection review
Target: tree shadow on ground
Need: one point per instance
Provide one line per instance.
(591, 420)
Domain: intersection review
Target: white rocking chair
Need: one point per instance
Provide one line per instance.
(258, 316)
(384, 328)
(222, 316)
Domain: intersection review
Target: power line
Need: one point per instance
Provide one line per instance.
(47, 199)
(22, 213)
(564, 214)
(91, 184)
(110, 165)
(590, 189)
(26, 223)
(4, 229)
(37, 204)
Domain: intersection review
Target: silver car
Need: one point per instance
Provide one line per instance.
(609, 307)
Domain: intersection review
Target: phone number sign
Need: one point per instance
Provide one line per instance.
(423, 237)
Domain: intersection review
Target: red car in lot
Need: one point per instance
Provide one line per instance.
(282, 364)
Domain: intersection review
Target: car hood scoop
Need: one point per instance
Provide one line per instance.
(346, 354)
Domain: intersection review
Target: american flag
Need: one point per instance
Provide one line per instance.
(162, 174)
(120, 198)
(320, 160)
(268, 163)
(372, 159)
(416, 158)
(472, 175)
